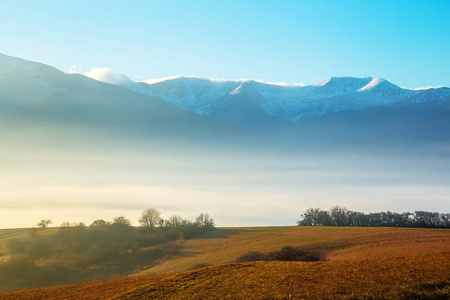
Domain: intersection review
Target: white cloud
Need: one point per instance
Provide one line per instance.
(101, 74)
(427, 88)
(74, 70)
(108, 76)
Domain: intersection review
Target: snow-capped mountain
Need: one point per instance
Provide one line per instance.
(193, 106)
(210, 96)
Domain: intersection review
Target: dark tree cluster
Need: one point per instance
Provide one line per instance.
(286, 253)
(341, 216)
(104, 249)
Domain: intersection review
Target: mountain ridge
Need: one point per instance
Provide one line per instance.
(292, 102)
(207, 97)
(335, 107)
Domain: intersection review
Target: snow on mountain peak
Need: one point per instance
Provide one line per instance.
(336, 86)
(376, 82)
(236, 90)
(292, 102)
(322, 82)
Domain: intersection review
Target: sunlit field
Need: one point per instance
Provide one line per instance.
(361, 263)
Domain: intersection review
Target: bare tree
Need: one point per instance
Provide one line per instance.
(175, 221)
(204, 220)
(150, 218)
(44, 223)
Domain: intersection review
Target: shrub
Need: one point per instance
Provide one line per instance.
(286, 253)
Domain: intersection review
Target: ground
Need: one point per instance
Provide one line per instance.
(362, 263)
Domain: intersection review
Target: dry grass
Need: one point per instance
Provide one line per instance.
(342, 243)
(104, 289)
(363, 263)
(373, 279)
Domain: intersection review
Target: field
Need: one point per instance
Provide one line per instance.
(361, 263)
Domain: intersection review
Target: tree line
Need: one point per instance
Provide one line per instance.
(342, 216)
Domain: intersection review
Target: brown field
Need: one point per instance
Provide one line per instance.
(362, 263)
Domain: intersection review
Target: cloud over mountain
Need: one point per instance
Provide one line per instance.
(108, 76)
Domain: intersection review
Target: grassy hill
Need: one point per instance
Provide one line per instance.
(362, 263)
(341, 243)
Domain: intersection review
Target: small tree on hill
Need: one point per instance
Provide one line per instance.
(150, 218)
(44, 223)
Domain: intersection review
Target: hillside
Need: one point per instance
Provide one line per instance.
(341, 243)
(362, 263)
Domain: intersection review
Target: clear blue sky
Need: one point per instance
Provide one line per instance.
(405, 42)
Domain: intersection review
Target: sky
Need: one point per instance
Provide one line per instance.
(405, 42)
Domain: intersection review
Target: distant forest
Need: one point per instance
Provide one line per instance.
(341, 216)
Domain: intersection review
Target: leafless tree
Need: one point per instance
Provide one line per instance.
(44, 223)
(150, 218)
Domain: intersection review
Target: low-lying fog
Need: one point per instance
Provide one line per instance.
(67, 176)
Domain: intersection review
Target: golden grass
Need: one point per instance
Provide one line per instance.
(387, 278)
(363, 263)
(104, 289)
(342, 243)
(384, 278)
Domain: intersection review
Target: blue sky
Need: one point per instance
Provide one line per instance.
(405, 42)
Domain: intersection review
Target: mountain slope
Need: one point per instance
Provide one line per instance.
(34, 92)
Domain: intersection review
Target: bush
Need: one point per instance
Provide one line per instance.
(289, 253)
(286, 253)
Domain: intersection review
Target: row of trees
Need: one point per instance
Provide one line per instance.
(150, 218)
(341, 216)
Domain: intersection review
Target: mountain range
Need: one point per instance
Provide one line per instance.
(291, 102)
(333, 107)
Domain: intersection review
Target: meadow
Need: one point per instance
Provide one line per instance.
(361, 263)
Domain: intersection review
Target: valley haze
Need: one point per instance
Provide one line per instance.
(247, 152)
